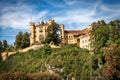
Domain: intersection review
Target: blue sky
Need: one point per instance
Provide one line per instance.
(15, 15)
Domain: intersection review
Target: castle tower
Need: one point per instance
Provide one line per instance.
(62, 33)
(50, 22)
(90, 27)
(32, 33)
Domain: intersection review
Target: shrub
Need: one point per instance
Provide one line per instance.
(13, 76)
(47, 49)
(29, 76)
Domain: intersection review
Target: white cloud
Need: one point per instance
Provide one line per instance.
(70, 2)
(19, 16)
(56, 3)
(77, 17)
(114, 10)
(85, 16)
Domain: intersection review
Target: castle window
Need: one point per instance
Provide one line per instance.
(69, 36)
(41, 36)
(41, 30)
(83, 41)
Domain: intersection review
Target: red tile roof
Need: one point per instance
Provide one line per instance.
(79, 32)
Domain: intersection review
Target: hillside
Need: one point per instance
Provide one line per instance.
(70, 62)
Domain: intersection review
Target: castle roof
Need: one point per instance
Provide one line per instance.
(73, 31)
(78, 32)
(86, 31)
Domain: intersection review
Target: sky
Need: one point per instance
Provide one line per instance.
(15, 15)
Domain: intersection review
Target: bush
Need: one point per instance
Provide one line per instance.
(44, 76)
(47, 49)
(13, 76)
(10, 48)
(29, 76)
(70, 61)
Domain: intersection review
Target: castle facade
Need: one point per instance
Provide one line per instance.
(80, 37)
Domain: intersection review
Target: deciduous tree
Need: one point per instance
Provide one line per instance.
(112, 57)
(53, 31)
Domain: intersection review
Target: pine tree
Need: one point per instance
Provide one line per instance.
(25, 40)
(18, 41)
(22, 40)
(1, 47)
(5, 45)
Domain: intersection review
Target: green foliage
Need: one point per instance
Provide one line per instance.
(46, 49)
(53, 31)
(1, 47)
(10, 48)
(5, 45)
(101, 36)
(104, 35)
(18, 40)
(25, 40)
(94, 62)
(112, 57)
(22, 40)
(115, 23)
(70, 61)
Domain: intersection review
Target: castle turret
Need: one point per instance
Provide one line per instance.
(62, 33)
(51, 21)
(32, 33)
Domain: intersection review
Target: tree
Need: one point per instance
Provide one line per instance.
(103, 22)
(115, 23)
(5, 45)
(1, 47)
(53, 34)
(18, 40)
(104, 35)
(100, 35)
(112, 57)
(10, 48)
(25, 40)
(114, 35)
(22, 40)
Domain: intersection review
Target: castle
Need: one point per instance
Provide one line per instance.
(79, 37)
